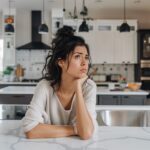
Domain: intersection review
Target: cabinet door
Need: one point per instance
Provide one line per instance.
(133, 100)
(15, 99)
(101, 46)
(108, 100)
(90, 39)
(125, 47)
(105, 46)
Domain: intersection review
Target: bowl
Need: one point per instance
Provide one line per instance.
(134, 86)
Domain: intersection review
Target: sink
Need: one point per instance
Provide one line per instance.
(123, 118)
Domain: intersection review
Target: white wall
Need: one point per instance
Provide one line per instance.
(23, 28)
(142, 16)
(23, 22)
(23, 36)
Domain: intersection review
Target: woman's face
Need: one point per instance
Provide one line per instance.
(77, 63)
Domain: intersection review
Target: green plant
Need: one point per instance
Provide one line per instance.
(8, 70)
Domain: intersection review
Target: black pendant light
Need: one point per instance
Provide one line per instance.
(124, 26)
(84, 27)
(43, 28)
(9, 27)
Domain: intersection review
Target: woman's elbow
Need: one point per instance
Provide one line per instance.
(87, 135)
(30, 135)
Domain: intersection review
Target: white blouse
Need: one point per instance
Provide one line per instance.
(46, 107)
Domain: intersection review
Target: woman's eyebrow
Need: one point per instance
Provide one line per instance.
(80, 53)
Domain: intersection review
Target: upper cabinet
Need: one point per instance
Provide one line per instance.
(57, 20)
(107, 44)
(9, 51)
(110, 46)
(125, 47)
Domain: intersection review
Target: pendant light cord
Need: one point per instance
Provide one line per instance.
(9, 8)
(64, 5)
(83, 2)
(43, 19)
(124, 10)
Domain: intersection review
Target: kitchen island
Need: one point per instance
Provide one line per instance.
(104, 96)
(100, 91)
(22, 95)
(106, 138)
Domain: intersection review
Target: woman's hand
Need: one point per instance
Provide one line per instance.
(79, 82)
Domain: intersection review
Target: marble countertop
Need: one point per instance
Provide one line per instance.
(106, 91)
(100, 91)
(17, 90)
(18, 83)
(106, 138)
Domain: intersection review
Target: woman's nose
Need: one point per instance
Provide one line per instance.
(84, 61)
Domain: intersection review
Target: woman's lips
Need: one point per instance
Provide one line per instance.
(83, 70)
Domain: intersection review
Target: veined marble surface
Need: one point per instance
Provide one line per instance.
(18, 83)
(106, 138)
(18, 90)
(106, 91)
(100, 91)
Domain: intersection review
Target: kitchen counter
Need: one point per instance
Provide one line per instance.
(106, 91)
(100, 91)
(17, 90)
(106, 138)
(35, 83)
(17, 83)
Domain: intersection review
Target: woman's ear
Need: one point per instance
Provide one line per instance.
(60, 63)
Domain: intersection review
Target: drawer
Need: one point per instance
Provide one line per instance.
(15, 99)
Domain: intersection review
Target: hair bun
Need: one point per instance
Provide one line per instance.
(65, 31)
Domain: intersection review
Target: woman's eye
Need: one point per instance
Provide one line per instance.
(77, 56)
(87, 57)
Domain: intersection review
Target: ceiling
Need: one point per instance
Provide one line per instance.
(134, 5)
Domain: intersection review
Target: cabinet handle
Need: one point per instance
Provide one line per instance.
(126, 97)
(115, 96)
(16, 96)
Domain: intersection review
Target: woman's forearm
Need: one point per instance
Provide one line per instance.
(50, 131)
(84, 123)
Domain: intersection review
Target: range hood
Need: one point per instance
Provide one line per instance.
(36, 43)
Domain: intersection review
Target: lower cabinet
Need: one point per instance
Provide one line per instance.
(108, 100)
(133, 100)
(15, 99)
(121, 100)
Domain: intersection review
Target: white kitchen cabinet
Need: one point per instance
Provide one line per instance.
(125, 47)
(111, 47)
(107, 44)
(101, 52)
(104, 47)
(9, 51)
(57, 20)
(72, 22)
(90, 39)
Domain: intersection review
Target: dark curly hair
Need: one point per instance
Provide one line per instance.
(62, 45)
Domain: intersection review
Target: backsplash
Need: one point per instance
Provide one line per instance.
(33, 62)
(126, 71)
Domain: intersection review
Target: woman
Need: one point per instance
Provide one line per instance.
(64, 101)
